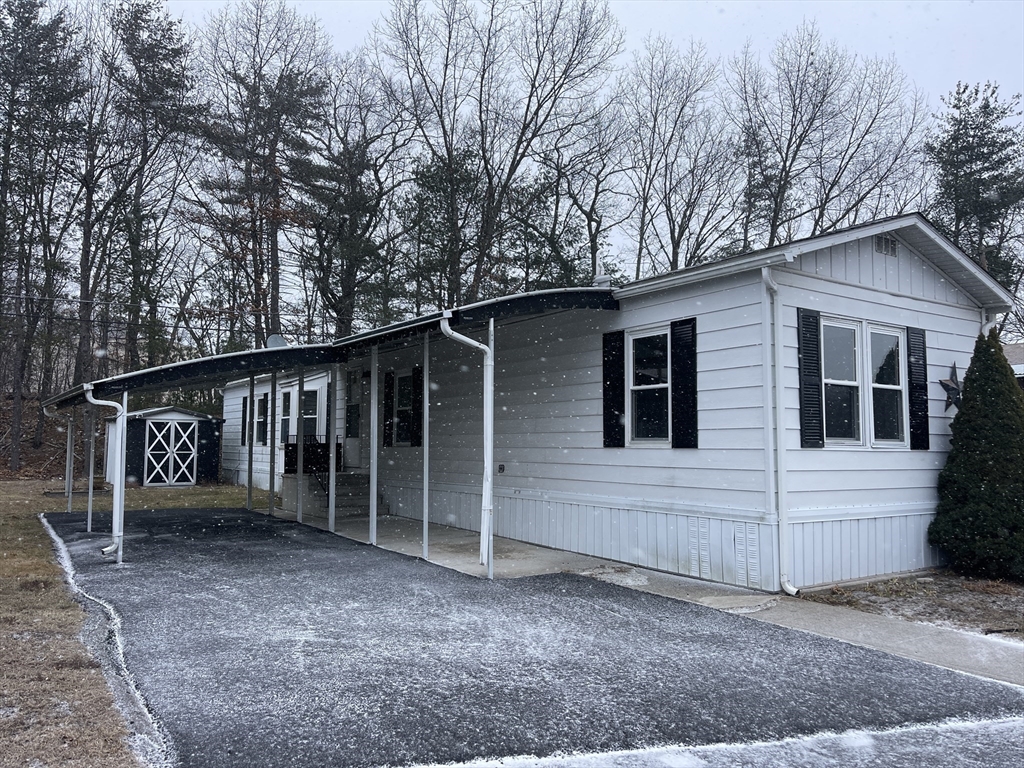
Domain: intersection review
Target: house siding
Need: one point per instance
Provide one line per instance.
(860, 511)
(698, 512)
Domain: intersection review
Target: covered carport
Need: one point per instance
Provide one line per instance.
(479, 318)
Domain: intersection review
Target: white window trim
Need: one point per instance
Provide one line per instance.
(642, 333)
(863, 329)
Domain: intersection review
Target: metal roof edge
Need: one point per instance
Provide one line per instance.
(788, 252)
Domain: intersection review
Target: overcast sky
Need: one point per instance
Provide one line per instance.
(936, 42)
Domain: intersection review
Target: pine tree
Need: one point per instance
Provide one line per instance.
(979, 523)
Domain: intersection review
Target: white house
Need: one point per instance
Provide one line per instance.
(774, 420)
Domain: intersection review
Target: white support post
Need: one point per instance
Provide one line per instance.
(488, 503)
(332, 456)
(250, 437)
(426, 442)
(373, 445)
(69, 460)
(487, 491)
(300, 439)
(273, 443)
(91, 466)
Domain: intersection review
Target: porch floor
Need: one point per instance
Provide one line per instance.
(456, 548)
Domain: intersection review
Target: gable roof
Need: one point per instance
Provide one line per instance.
(913, 228)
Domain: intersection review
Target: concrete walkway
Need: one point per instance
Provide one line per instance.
(990, 657)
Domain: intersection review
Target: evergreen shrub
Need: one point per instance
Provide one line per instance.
(979, 522)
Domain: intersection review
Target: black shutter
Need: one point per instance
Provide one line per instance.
(389, 409)
(416, 427)
(684, 383)
(812, 423)
(245, 420)
(614, 372)
(917, 380)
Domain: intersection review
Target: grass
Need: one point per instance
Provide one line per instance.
(55, 706)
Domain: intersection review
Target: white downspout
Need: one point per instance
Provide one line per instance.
(785, 545)
(487, 508)
(986, 324)
(117, 524)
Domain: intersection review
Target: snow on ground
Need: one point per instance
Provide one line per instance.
(955, 744)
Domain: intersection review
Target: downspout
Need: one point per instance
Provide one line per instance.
(117, 524)
(779, 454)
(487, 508)
(986, 324)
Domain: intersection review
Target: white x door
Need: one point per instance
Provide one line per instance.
(171, 452)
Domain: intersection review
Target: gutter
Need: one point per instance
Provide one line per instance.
(487, 505)
(778, 457)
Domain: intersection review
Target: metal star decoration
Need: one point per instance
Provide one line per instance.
(952, 387)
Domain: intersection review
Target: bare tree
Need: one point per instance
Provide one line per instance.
(491, 87)
(681, 159)
(825, 138)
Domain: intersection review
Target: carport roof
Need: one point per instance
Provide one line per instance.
(220, 369)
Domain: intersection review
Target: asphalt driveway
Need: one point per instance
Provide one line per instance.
(259, 642)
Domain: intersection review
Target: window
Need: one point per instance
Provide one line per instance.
(286, 416)
(353, 398)
(882, 382)
(261, 420)
(839, 375)
(403, 409)
(649, 387)
(887, 386)
(310, 406)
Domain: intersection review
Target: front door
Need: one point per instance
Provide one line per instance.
(353, 419)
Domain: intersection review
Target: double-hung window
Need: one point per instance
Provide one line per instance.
(353, 398)
(649, 387)
(854, 373)
(840, 363)
(887, 390)
(261, 420)
(403, 409)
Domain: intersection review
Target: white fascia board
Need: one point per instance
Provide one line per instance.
(705, 272)
(1005, 298)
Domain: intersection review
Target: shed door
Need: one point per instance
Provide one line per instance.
(171, 452)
